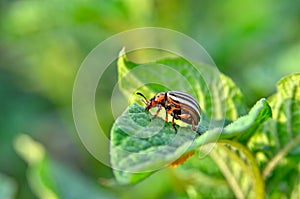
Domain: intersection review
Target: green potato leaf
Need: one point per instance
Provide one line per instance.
(216, 93)
(136, 151)
(277, 143)
(140, 146)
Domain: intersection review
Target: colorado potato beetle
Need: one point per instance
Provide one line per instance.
(180, 105)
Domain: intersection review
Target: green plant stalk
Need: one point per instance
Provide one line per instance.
(225, 170)
(259, 184)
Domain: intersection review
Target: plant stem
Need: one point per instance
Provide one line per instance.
(258, 183)
(226, 172)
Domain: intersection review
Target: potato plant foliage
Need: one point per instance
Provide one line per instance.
(248, 152)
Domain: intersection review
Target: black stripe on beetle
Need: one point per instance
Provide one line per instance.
(184, 98)
(179, 105)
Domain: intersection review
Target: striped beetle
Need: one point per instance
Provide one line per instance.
(180, 105)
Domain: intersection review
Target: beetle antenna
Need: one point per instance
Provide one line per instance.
(142, 100)
(138, 93)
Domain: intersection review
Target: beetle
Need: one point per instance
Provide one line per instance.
(180, 105)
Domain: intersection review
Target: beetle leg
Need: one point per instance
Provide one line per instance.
(157, 112)
(188, 116)
(166, 116)
(144, 101)
(173, 124)
(193, 125)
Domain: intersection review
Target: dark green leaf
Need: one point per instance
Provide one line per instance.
(136, 148)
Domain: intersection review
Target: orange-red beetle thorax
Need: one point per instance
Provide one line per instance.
(157, 99)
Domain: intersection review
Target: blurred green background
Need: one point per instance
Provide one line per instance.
(43, 43)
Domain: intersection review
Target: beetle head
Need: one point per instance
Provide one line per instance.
(157, 99)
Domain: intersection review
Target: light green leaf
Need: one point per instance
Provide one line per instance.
(277, 144)
(217, 95)
(243, 127)
(50, 179)
(134, 148)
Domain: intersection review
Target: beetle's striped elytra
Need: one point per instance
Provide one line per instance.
(179, 105)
